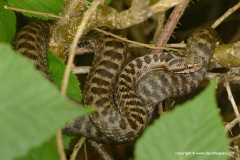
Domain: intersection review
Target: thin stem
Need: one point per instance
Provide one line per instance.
(160, 24)
(77, 147)
(35, 12)
(225, 15)
(133, 42)
(171, 24)
(85, 151)
(73, 46)
(60, 147)
(231, 124)
(100, 149)
(230, 97)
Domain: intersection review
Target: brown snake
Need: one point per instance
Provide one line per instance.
(125, 96)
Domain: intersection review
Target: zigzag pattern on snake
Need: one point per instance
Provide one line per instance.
(125, 96)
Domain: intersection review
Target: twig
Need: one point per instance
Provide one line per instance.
(231, 124)
(85, 151)
(81, 69)
(225, 15)
(236, 77)
(236, 138)
(137, 13)
(100, 149)
(171, 24)
(160, 108)
(230, 97)
(73, 46)
(60, 147)
(134, 42)
(229, 74)
(159, 27)
(164, 5)
(77, 147)
(35, 12)
(168, 46)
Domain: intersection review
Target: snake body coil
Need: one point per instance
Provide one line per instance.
(31, 41)
(126, 96)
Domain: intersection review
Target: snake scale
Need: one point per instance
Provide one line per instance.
(125, 96)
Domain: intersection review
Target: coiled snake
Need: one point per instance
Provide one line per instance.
(125, 96)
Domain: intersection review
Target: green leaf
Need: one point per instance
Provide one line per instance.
(106, 1)
(31, 108)
(194, 128)
(56, 68)
(48, 150)
(7, 25)
(44, 6)
(67, 138)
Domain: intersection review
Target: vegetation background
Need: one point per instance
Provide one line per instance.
(196, 124)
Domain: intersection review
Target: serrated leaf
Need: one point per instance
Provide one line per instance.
(190, 131)
(44, 6)
(57, 68)
(7, 25)
(31, 108)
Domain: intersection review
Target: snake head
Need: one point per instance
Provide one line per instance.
(187, 63)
